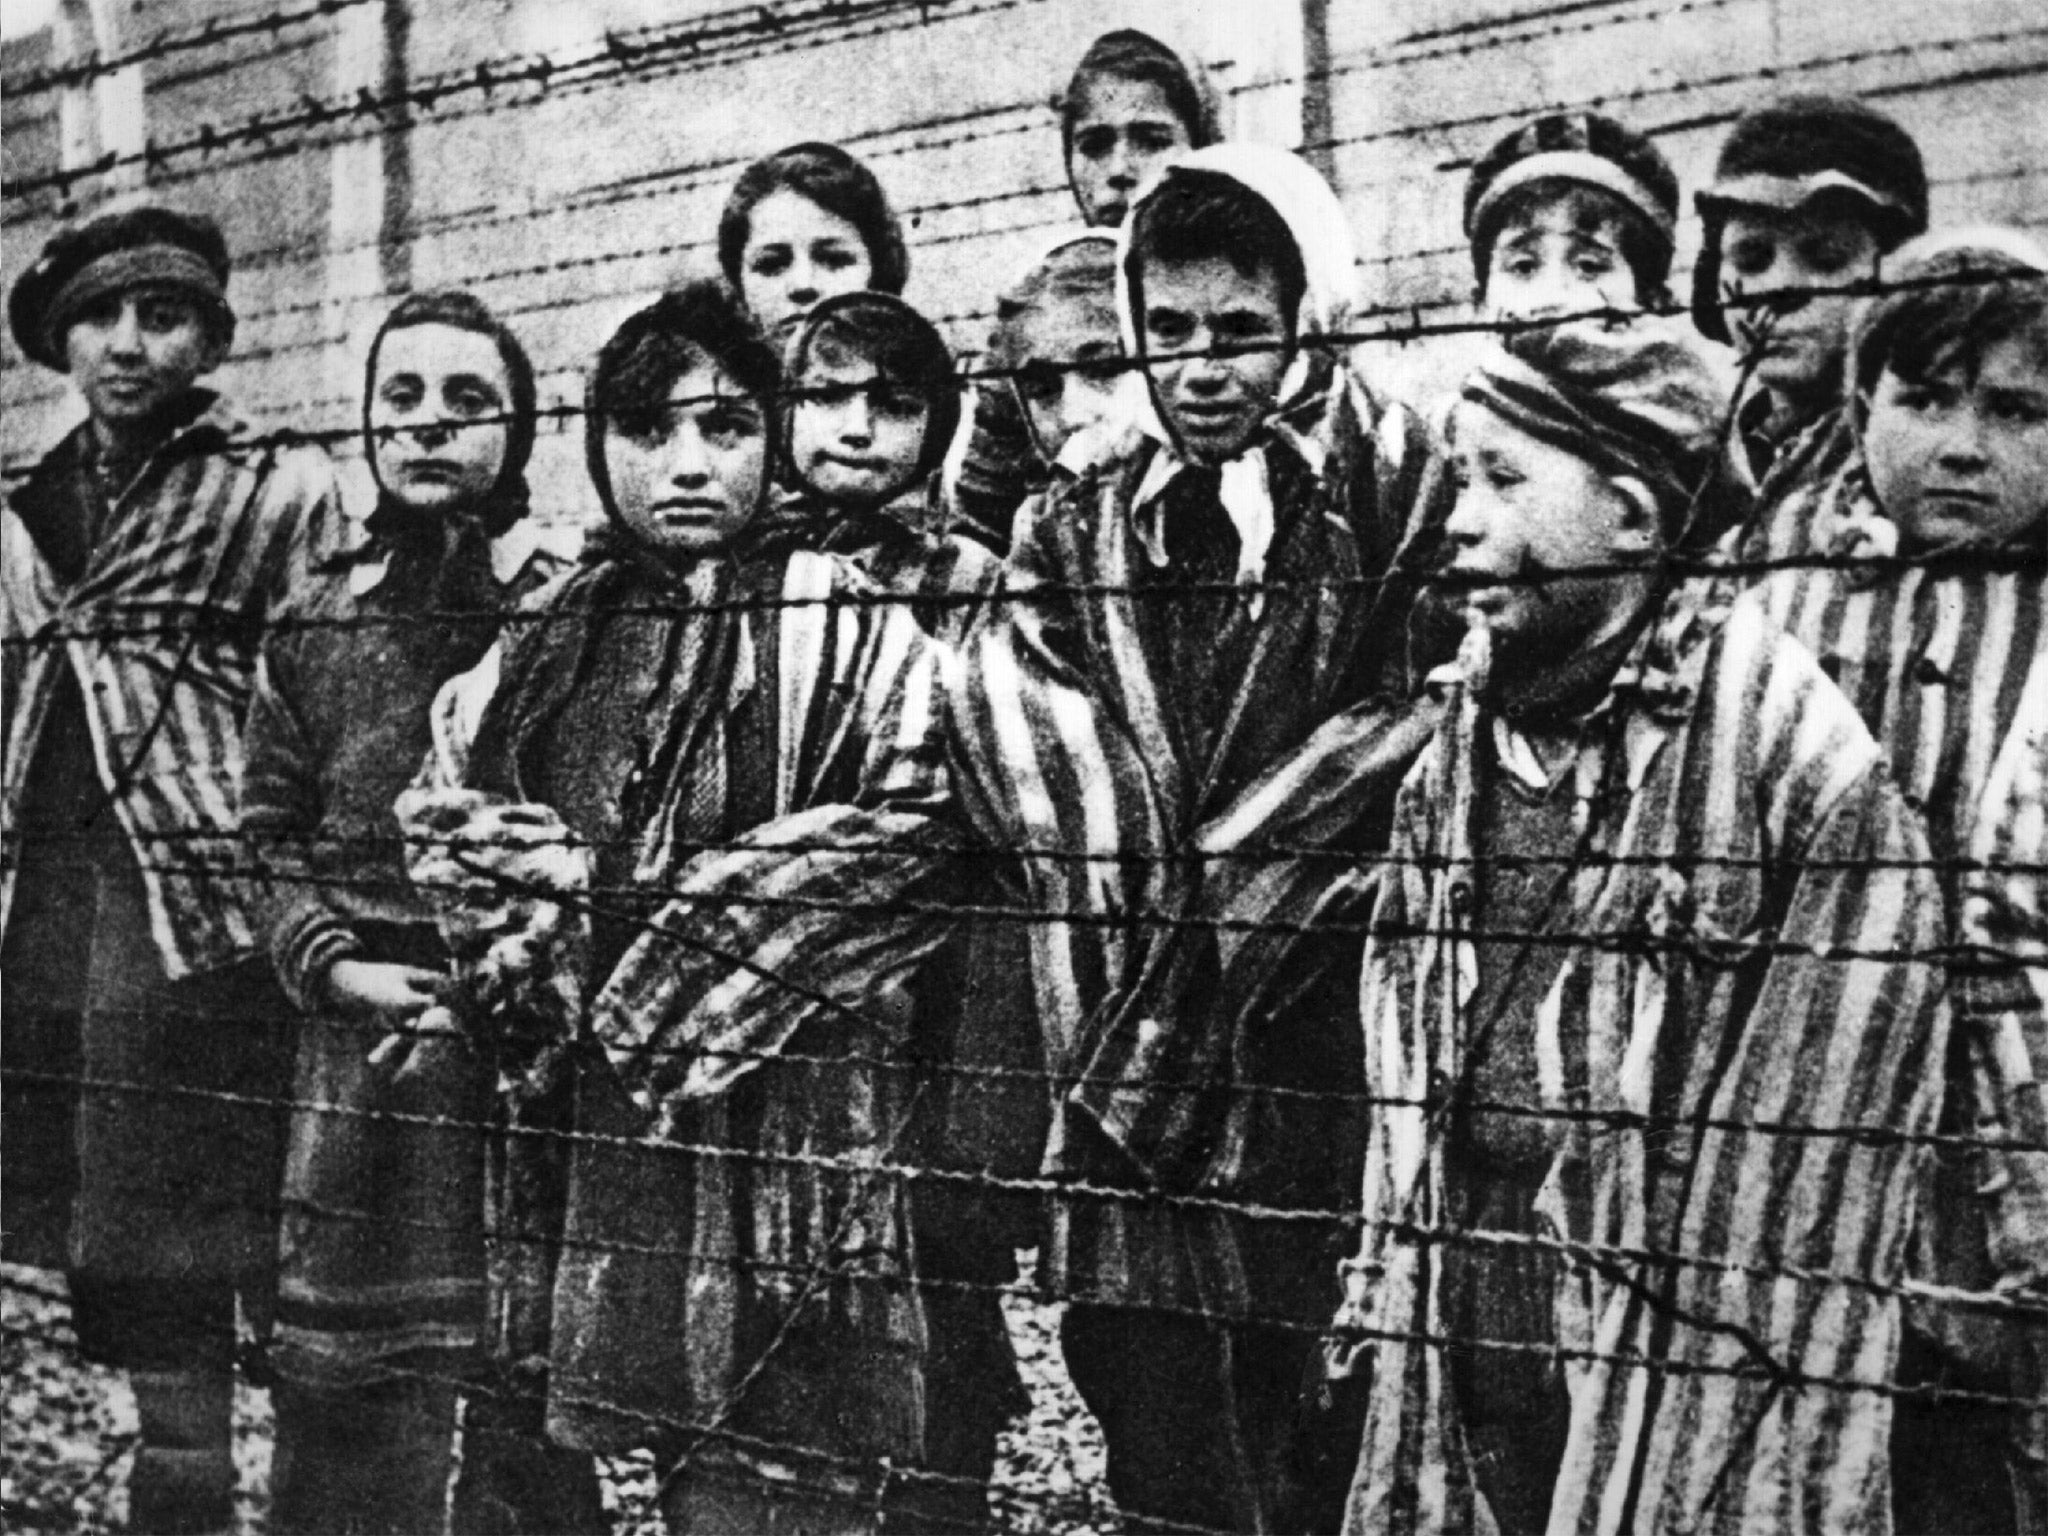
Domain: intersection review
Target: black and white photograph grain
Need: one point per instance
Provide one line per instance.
(1024, 768)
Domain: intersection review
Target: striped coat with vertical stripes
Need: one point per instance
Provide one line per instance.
(1065, 750)
(1738, 960)
(1935, 656)
(201, 550)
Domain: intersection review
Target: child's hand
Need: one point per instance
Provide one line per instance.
(375, 990)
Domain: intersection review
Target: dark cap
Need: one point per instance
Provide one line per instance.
(147, 244)
(1798, 149)
(1582, 147)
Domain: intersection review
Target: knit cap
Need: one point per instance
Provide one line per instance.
(1582, 147)
(141, 244)
(1785, 155)
(1631, 400)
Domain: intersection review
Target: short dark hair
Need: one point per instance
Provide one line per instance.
(902, 345)
(1962, 302)
(838, 183)
(1195, 215)
(655, 346)
(466, 312)
(1643, 245)
(1082, 271)
(1128, 54)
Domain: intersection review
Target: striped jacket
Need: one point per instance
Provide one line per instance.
(761, 1009)
(1935, 658)
(2005, 1005)
(1065, 750)
(1795, 485)
(1751, 874)
(200, 551)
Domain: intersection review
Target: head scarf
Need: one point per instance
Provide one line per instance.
(1113, 55)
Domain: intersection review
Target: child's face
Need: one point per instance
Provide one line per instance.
(1527, 509)
(1214, 404)
(1961, 457)
(796, 254)
(134, 352)
(437, 416)
(1068, 378)
(692, 482)
(1799, 353)
(854, 434)
(1563, 256)
(1123, 129)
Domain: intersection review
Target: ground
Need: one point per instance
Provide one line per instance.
(69, 1429)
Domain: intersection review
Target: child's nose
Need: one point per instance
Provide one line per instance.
(689, 463)
(1962, 441)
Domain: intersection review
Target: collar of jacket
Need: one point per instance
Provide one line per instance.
(1244, 486)
(1649, 696)
(367, 558)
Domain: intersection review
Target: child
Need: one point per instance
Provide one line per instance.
(1132, 103)
(740, 741)
(1570, 213)
(131, 951)
(872, 401)
(1056, 360)
(873, 404)
(1179, 620)
(1949, 406)
(803, 224)
(1566, 1003)
(380, 1304)
(1809, 193)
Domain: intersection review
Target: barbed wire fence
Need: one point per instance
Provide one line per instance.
(498, 83)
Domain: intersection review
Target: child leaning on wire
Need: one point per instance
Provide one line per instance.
(1929, 614)
(1608, 940)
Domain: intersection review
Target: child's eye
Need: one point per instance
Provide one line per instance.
(899, 403)
(1520, 265)
(1169, 328)
(2019, 409)
(1152, 140)
(772, 261)
(1752, 257)
(1095, 143)
(1825, 253)
(834, 258)
(159, 315)
(471, 402)
(1039, 383)
(1595, 265)
(401, 395)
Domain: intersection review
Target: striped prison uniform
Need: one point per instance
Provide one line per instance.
(1750, 885)
(737, 1284)
(1934, 657)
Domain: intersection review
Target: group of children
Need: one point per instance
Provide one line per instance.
(1499, 962)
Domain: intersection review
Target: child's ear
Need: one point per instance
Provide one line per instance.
(1642, 519)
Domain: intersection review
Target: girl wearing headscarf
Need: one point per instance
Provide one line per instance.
(704, 796)
(1132, 103)
(1179, 624)
(380, 1303)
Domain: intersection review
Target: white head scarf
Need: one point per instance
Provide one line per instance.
(1322, 234)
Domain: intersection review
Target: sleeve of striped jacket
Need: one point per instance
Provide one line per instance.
(2003, 1005)
(303, 524)
(823, 913)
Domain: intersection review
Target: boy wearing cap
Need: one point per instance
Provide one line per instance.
(139, 564)
(1809, 193)
(1570, 213)
(1648, 887)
